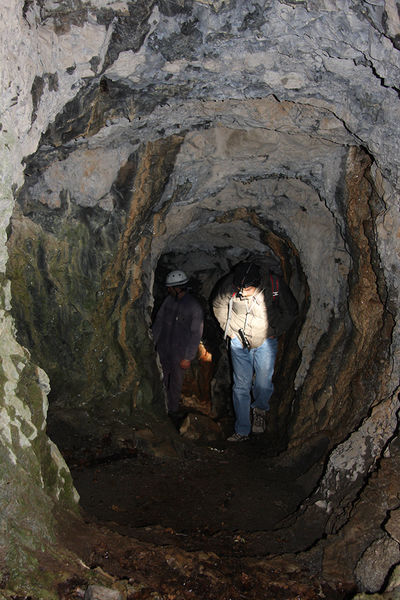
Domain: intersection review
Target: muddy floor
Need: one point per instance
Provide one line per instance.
(215, 520)
(215, 497)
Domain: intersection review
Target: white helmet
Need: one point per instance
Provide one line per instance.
(176, 278)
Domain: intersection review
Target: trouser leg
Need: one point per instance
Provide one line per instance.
(242, 363)
(264, 365)
(173, 380)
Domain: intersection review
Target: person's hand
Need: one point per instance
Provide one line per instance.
(184, 364)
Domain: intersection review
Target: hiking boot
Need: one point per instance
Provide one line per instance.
(259, 416)
(236, 437)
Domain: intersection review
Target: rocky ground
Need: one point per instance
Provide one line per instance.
(181, 519)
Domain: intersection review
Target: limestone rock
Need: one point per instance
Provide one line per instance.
(376, 562)
(99, 592)
(200, 428)
(393, 525)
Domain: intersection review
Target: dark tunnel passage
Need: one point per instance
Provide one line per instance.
(201, 493)
(89, 250)
(214, 496)
(86, 284)
(207, 386)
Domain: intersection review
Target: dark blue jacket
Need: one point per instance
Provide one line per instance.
(178, 328)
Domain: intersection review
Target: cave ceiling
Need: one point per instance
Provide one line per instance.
(250, 96)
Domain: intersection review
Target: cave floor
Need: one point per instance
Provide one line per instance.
(221, 497)
(218, 521)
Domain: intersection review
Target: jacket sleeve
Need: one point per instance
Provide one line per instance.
(220, 301)
(220, 309)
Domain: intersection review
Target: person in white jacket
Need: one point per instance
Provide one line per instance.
(253, 307)
(177, 331)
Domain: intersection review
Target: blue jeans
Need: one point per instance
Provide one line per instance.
(252, 377)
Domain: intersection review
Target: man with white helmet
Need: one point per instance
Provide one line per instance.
(177, 332)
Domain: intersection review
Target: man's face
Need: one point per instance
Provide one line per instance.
(174, 290)
(247, 292)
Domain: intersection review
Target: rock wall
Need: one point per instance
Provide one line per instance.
(35, 479)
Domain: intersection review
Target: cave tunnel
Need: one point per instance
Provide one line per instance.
(151, 157)
(93, 277)
(89, 273)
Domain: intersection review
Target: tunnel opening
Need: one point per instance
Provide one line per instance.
(207, 385)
